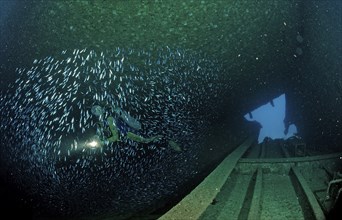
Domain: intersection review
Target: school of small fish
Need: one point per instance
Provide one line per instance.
(47, 122)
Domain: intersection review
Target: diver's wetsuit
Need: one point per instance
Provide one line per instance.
(119, 129)
(122, 127)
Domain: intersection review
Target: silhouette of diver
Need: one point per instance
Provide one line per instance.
(119, 125)
(122, 125)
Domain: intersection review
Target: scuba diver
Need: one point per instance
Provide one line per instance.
(122, 125)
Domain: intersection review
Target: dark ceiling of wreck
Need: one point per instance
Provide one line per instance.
(262, 49)
(255, 41)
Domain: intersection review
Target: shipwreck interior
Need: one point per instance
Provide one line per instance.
(217, 103)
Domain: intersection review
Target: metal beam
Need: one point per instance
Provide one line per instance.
(195, 203)
(311, 199)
